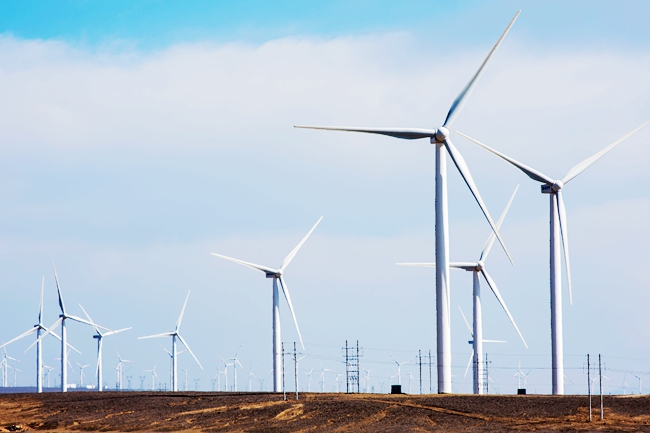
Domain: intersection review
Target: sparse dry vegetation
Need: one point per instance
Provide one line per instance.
(264, 412)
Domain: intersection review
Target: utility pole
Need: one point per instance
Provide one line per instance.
(487, 377)
(589, 386)
(295, 363)
(600, 374)
(284, 391)
(430, 375)
(420, 364)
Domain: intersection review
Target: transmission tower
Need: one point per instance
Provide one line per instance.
(352, 354)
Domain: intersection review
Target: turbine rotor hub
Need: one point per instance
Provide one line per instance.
(480, 265)
(557, 185)
(441, 135)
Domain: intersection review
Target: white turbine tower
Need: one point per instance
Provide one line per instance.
(479, 268)
(39, 349)
(277, 274)
(558, 229)
(64, 335)
(440, 138)
(99, 373)
(175, 334)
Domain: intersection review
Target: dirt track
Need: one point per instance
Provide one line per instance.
(223, 412)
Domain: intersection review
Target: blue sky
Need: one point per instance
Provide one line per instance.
(138, 137)
(158, 24)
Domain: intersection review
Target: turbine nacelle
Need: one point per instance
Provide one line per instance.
(276, 274)
(552, 188)
(440, 136)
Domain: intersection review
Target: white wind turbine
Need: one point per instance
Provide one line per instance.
(479, 268)
(277, 274)
(39, 350)
(81, 373)
(99, 373)
(558, 229)
(440, 138)
(64, 335)
(175, 334)
(154, 376)
(119, 372)
(399, 368)
(235, 363)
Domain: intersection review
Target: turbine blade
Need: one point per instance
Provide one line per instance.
(164, 334)
(422, 265)
(564, 231)
(530, 172)
(495, 290)
(24, 334)
(180, 318)
(490, 240)
(85, 322)
(48, 331)
(189, 350)
(469, 363)
(89, 319)
(467, 266)
(469, 328)
(494, 341)
(403, 133)
(250, 265)
(464, 94)
(579, 168)
(293, 252)
(119, 330)
(58, 290)
(285, 290)
(70, 346)
(462, 167)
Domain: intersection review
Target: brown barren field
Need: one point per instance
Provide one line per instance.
(264, 412)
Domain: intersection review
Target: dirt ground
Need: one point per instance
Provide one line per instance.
(265, 412)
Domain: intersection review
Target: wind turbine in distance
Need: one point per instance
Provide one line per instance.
(39, 350)
(99, 373)
(399, 368)
(440, 138)
(559, 229)
(277, 274)
(479, 268)
(64, 335)
(175, 334)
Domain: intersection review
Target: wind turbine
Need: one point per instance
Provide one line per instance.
(99, 373)
(399, 368)
(367, 378)
(81, 373)
(558, 229)
(521, 376)
(277, 274)
(479, 268)
(154, 376)
(235, 363)
(119, 371)
(440, 138)
(64, 335)
(39, 350)
(175, 334)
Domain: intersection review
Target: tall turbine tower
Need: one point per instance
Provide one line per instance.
(558, 228)
(276, 274)
(175, 334)
(477, 268)
(440, 138)
(39, 345)
(99, 373)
